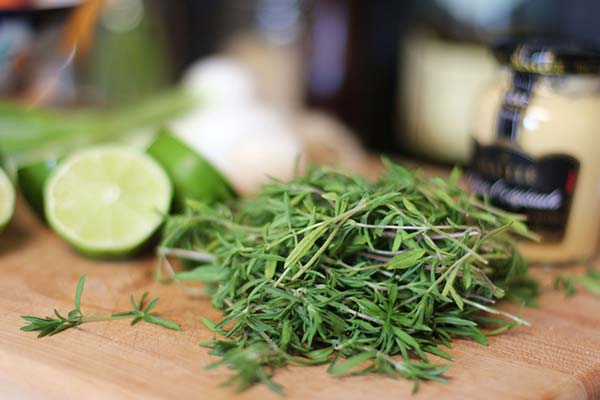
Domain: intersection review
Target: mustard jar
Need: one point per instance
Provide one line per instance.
(537, 146)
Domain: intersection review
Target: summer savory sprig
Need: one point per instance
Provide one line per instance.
(331, 268)
(49, 326)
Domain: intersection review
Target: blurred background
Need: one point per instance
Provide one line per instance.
(336, 78)
(262, 88)
(342, 75)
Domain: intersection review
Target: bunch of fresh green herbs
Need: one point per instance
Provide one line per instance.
(49, 326)
(364, 276)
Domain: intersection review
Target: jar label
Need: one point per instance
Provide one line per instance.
(515, 101)
(542, 188)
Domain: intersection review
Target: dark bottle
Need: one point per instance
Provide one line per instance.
(352, 64)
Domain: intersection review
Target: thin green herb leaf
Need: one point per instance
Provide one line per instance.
(344, 367)
(79, 291)
(201, 274)
(153, 319)
(133, 303)
(406, 260)
(151, 305)
(140, 305)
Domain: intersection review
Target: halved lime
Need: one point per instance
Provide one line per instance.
(32, 179)
(7, 199)
(107, 201)
(192, 175)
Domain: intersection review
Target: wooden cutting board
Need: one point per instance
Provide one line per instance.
(558, 357)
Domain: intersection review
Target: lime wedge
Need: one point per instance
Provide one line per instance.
(107, 201)
(192, 176)
(7, 199)
(32, 179)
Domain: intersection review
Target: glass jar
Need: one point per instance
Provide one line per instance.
(537, 146)
(441, 80)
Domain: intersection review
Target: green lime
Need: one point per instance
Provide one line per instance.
(192, 176)
(107, 201)
(7, 199)
(31, 179)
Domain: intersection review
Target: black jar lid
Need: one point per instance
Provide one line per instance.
(548, 57)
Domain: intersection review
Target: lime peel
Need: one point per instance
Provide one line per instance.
(192, 175)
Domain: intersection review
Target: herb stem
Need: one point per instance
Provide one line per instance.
(496, 311)
(387, 252)
(375, 257)
(187, 254)
(101, 319)
(361, 315)
(403, 227)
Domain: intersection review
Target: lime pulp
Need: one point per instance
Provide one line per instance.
(107, 201)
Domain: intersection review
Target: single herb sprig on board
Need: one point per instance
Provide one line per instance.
(49, 326)
(364, 276)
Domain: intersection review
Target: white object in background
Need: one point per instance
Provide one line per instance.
(245, 140)
(247, 144)
(278, 70)
(480, 13)
(220, 81)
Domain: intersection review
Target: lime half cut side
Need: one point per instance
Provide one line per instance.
(107, 201)
(7, 199)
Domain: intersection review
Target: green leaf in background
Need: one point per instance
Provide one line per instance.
(35, 134)
(590, 281)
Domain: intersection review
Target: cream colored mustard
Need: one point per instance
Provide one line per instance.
(558, 117)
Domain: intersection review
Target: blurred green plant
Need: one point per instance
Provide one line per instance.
(129, 58)
(590, 281)
(33, 134)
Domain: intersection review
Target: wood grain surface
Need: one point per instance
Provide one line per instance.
(558, 357)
